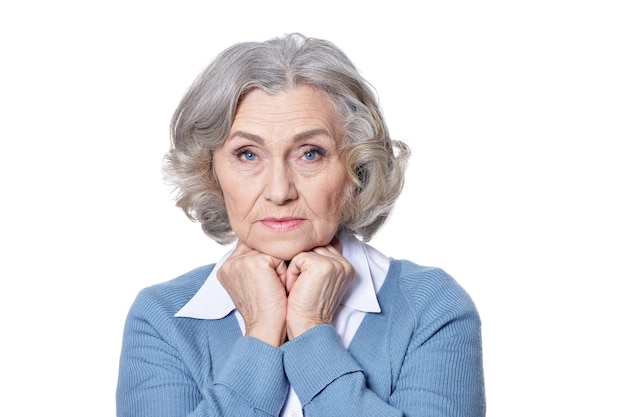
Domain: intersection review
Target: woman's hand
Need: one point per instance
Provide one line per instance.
(255, 282)
(315, 281)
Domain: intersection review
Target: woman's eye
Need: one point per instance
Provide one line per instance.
(246, 155)
(312, 154)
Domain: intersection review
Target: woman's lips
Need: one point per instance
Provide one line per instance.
(283, 224)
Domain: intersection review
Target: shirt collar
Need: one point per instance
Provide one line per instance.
(370, 266)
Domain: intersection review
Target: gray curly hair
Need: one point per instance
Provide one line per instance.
(375, 163)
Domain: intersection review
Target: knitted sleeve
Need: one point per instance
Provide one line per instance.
(327, 379)
(428, 349)
(155, 379)
(442, 370)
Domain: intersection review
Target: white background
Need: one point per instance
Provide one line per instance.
(515, 112)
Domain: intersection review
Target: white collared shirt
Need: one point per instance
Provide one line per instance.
(212, 302)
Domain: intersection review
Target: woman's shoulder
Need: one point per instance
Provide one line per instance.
(428, 287)
(170, 296)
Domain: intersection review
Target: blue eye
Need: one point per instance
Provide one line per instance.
(312, 154)
(246, 155)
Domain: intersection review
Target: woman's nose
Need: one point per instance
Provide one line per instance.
(279, 187)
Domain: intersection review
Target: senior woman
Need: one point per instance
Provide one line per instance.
(281, 148)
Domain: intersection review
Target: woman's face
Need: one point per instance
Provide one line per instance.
(281, 172)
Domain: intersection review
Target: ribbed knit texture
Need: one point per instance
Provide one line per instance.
(421, 356)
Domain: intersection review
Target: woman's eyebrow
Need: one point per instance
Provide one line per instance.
(303, 136)
(246, 135)
(300, 137)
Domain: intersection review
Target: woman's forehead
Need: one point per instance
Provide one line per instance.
(301, 112)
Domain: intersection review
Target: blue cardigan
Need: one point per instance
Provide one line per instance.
(420, 356)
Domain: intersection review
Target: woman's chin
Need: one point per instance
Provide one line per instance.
(287, 245)
(283, 253)
(283, 250)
